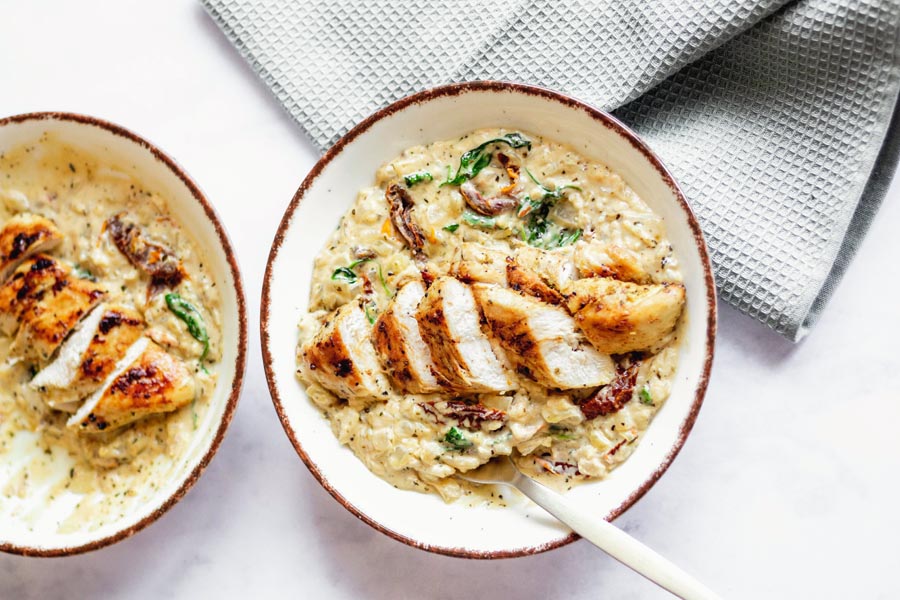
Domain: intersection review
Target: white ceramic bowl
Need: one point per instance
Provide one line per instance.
(421, 520)
(190, 207)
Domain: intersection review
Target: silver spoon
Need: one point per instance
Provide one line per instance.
(598, 531)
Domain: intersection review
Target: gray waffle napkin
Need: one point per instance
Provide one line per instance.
(775, 116)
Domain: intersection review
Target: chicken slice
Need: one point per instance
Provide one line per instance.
(619, 317)
(543, 339)
(31, 281)
(529, 282)
(147, 381)
(46, 323)
(474, 262)
(554, 267)
(43, 301)
(599, 259)
(90, 354)
(404, 354)
(530, 270)
(341, 357)
(450, 323)
(22, 237)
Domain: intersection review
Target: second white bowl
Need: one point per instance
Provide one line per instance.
(425, 521)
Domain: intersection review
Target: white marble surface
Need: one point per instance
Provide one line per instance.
(788, 486)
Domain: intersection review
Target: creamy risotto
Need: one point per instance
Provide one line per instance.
(110, 338)
(496, 294)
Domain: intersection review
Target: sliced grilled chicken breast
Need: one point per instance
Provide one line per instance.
(31, 281)
(148, 380)
(531, 283)
(341, 357)
(47, 322)
(90, 354)
(43, 301)
(543, 339)
(619, 317)
(599, 259)
(474, 262)
(554, 267)
(450, 323)
(530, 270)
(404, 354)
(22, 237)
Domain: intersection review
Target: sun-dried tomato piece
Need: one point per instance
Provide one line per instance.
(470, 416)
(400, 205)
(488, 206)
(612, 397)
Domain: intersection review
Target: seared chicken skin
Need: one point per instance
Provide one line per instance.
(532, 271)
(31, 281)
(554, 267)
(149, 381)
(598, 259)
(404, 354)
(474, 262)
(90, 354)
(341, 357)
(450, 323)
(22, 237)
(619, 317)
(543, 339)
(45, 301)
(530, 283)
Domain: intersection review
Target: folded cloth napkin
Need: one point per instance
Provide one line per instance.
(775, 115)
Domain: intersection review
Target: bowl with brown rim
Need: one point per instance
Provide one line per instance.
(32, 525)
(425, 521)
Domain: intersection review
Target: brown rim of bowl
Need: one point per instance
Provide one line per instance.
(454, 90)
(240, 365)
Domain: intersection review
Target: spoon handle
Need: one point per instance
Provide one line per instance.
(616, 542)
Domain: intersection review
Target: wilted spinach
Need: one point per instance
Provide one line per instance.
(472, 162)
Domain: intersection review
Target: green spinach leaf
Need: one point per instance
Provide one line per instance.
(188, 313)
(645, 396)
(457, 440)
(417, 177)
(476, 220)
(346, 273)
(539, 230)
(472, 162)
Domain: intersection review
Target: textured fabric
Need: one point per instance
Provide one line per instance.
(772, 114)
